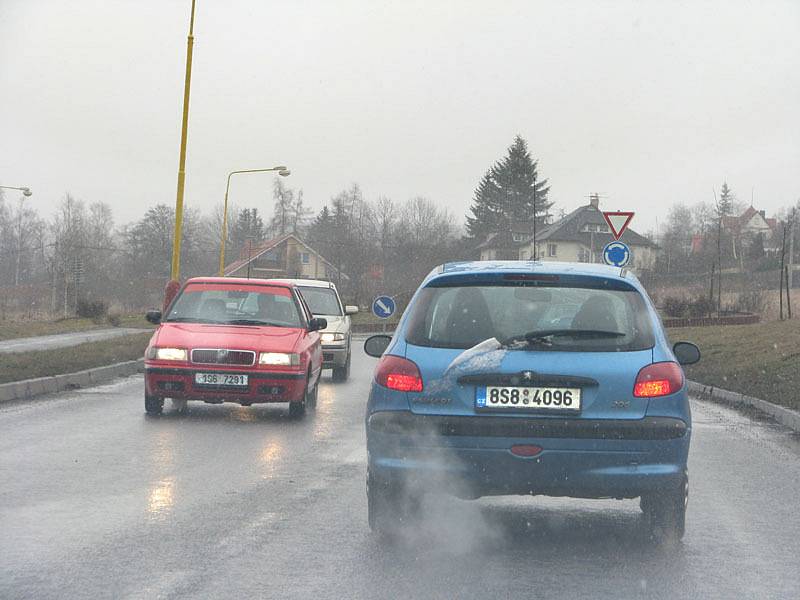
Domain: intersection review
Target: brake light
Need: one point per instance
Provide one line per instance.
(398, 374)
(658, 379)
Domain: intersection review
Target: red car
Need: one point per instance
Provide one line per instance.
(234, 340)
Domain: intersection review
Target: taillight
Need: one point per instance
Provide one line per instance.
(658, 379)
(398, 374)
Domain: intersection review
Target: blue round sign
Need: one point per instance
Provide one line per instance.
(616, 254)
(383, 307)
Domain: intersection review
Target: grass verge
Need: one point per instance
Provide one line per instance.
(761, 360)
(10, 330)
(18, 366)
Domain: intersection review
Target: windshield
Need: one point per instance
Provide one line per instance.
(322, 301)
(461, 317)
(235, 305)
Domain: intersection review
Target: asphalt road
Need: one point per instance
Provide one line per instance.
(98, 501)
(64, 340)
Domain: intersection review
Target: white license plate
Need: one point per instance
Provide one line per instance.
(220, 379)
(516, 398)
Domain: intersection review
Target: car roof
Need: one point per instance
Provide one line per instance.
(530, 267)
(308, 282)
(245, 280)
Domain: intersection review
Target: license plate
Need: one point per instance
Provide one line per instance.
(522, 398)
(220, 379)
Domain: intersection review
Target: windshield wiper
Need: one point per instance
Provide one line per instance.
(544, 337)
(188, 320)
(254, 322)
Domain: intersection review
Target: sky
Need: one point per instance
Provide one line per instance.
(646, 103)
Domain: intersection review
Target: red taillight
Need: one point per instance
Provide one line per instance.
(525, 450)
(398, 374)
(658, 379)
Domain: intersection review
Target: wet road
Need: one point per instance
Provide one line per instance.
(65, 340)
(97, 501)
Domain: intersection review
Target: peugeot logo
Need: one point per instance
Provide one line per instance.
(527, 375)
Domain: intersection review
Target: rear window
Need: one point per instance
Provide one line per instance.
(235, 304)
(322, 301)
(463, 316)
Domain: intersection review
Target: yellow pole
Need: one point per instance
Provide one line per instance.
(176, 240)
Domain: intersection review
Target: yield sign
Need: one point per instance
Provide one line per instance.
(618, 222)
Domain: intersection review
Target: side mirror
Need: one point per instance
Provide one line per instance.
(350, 310)
(376, 345)
(686, 353)
(153, 316)
(317, 323)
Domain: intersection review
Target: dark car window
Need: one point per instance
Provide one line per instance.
(235, 304)
(463, 316)
(322, 301)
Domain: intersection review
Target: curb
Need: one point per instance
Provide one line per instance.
(30, 388)
(785, 416)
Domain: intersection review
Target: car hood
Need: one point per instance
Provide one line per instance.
(335, 324)
(238, 337)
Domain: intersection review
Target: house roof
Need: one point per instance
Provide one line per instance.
(265, 247)
(569, 228)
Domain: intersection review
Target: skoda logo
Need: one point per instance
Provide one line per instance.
(221, 354)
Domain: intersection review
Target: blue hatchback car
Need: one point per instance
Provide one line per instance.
(529, 378)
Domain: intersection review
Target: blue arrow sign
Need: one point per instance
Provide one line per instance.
(616, 254)
(383, 307)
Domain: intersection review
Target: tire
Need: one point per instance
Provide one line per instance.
(665, 513)
(311, 396)
(389, 507)
(153, 405)
(298, 409)
(341, 374)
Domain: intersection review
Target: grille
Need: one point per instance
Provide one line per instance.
(222, 356)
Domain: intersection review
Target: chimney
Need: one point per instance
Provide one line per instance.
(594, 200)
(763, 214)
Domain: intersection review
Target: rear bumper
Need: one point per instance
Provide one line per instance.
(334, 356)
(176, 382)
(471, 456)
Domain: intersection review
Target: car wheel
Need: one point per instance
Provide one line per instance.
(153, 405)
(311, 396)
(389, 507)
(297, 409)
(343, 372)
(665, 513)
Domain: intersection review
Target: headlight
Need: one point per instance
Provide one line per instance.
(278, 358)
(166, 353)
(327, 338)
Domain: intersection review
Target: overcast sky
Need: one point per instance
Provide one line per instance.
(647, 103)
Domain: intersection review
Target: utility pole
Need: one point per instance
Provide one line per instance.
(792, 225)
(534, 216)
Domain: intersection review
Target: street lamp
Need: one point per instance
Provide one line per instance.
(26, 193)
(282, 171)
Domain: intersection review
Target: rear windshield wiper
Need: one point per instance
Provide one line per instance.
(544, 337)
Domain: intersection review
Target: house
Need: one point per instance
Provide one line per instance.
(581, 236)
(750, 223)
(284, 256)
(742, 231)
